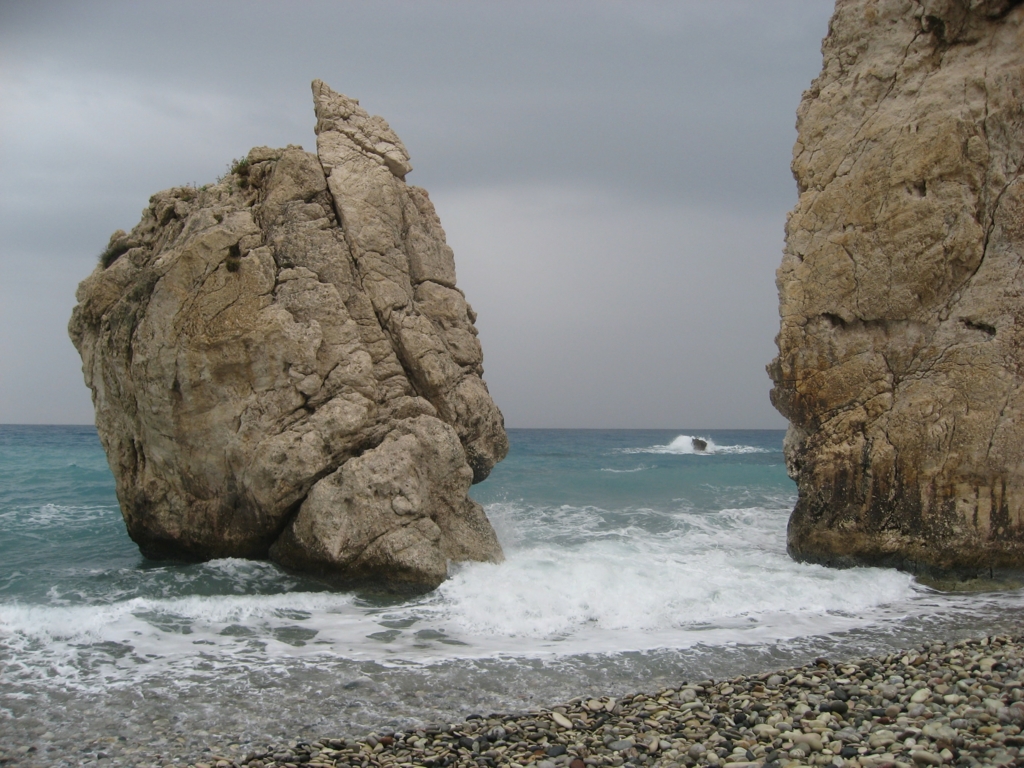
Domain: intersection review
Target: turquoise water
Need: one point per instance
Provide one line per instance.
(631, 561)
(57, 509)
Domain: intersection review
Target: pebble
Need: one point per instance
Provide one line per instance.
(561, 720)
(941, 704)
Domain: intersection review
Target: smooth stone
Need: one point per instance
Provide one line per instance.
(839, 707)
(937, 731)
(562, 720)
(881, 738)
(811, 740)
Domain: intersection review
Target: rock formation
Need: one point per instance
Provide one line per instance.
(900, 352)
(282, 365)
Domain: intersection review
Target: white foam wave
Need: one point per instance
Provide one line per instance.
(99, 623)
(94, 647)
(641, 468)
(691, 444)
(585, 581)
(55, 515)
(641, 589)
(621, 587)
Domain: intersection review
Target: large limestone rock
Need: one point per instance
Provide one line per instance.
(900, 352)
(281, 363)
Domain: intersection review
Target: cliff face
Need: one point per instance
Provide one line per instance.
(281, 364)
(900, 351)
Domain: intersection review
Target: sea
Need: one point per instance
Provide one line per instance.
(633, 562)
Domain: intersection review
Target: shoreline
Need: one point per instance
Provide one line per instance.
(958, 703)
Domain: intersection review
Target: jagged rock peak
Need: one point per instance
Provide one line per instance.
(282, 365)
(900, 351)
(369, 133)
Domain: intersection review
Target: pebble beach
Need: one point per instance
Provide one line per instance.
(958, 704)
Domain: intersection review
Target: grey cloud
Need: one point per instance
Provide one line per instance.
(668, 108)
(675, 98)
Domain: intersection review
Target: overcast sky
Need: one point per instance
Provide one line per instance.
(613, 176)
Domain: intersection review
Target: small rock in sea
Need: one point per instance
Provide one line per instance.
(699, 445)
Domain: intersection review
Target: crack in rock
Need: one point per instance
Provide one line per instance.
(282, 365)
(900, 348)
